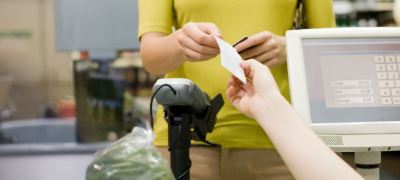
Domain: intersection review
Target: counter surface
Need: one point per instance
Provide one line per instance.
(50, 148)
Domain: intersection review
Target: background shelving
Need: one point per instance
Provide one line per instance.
(364, 13)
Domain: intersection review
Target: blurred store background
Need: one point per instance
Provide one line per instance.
(70, 59)
(71, 82)
(37, 77)
(364, 13)
(62, 84)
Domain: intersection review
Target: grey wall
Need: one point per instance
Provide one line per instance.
(27, 53)
(100, 25)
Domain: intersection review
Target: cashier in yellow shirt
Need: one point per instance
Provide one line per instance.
(176, 39)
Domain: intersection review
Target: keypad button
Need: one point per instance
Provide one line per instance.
(380, 67)
(390, 59)
(391, 67)
(393, 75)
(384, 92)
(386, 100)
(382, 75)
(383, 84)
(395, 92)
(379, 59)
(397, 83)
(398, 59)
(391, 83)
(396, 100)
(386, 84)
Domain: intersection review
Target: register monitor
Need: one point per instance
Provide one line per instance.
(345, 82)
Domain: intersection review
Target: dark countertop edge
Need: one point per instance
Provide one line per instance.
(50, 149)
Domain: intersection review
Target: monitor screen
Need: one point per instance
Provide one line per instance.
(353, 79)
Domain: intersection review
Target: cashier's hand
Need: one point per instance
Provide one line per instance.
(196, 41)
(265, 47)
(260, 91)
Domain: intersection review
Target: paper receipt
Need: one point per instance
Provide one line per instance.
(230, 59)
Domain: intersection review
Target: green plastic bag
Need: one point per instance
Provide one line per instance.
(133, 157)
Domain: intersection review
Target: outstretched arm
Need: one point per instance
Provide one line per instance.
(304, 153)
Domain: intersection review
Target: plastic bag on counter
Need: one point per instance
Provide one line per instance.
(131, 157)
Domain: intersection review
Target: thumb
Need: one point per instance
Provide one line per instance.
(256, 65)
(252, 66)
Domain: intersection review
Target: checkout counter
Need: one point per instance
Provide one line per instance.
(44, 149)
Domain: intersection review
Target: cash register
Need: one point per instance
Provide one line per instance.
(345, 83)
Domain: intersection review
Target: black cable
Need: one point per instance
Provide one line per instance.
(152, 99)
(174, 143)
(211, 144)
(151, 111)
(186, 171)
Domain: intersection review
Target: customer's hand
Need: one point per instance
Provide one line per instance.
(196, 41)
(259, 92)
(265, 47)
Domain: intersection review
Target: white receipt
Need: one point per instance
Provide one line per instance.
(230, 59)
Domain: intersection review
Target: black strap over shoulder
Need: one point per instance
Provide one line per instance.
(299, 2)
(299, 16)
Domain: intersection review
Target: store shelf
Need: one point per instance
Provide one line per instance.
(373, 7)
(364, 13)
(347, 7)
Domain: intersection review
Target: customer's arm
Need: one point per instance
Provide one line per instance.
(304, 153)
(163, 53)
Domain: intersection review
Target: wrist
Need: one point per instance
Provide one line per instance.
(180, 55)
(268, 105)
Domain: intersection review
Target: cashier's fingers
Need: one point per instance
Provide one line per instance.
(258, 51)
(201, 33)
(253, 40)
(273, 62)
(210, 28)
(252, 52)
(192, 55)
(187, 42)
(270, 59)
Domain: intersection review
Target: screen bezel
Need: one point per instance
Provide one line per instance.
(298, 80)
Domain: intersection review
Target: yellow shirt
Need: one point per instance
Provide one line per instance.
(235, 19)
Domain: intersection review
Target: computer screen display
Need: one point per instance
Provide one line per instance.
(353, 79)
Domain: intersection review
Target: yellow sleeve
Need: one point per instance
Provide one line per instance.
(319, 13)
(155, 16)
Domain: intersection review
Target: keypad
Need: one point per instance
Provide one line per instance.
(388, 75)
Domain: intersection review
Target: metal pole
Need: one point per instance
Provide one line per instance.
(367, 164)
